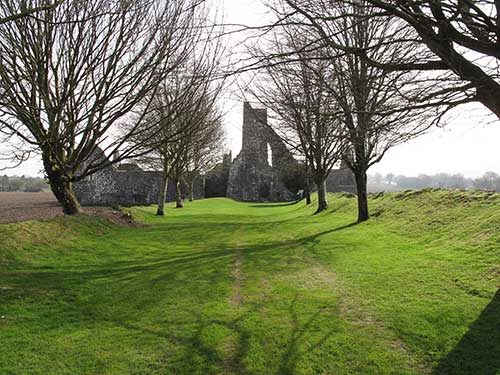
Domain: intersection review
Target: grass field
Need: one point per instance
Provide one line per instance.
(222, 287)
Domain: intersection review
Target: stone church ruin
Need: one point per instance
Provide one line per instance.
(261, 172)
(127, 185)
(264, 165)
(256, 173)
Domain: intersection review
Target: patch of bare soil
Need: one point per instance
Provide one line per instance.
(493, 274)
(19, 206)
(231, 364)
(116, 217)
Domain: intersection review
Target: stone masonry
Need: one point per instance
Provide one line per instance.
(127, 185)
(257, 174)
(251, 176)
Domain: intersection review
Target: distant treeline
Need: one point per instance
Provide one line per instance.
(26, 184)
(489, 181)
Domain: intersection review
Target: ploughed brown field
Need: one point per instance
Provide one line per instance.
(20, 206)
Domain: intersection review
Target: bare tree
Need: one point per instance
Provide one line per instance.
(70, 76)
(460, 40)
(11, 10)
(389, 177)
(199, 146)
(488, 181)
(205, 151)
(306, 112)
(183, 127)
(376, 108)
(169, 127)
(464, 37)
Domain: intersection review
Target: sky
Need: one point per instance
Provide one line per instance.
(467, 144)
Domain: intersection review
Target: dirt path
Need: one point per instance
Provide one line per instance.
(237, 272)
(353, 310)
(232, 363)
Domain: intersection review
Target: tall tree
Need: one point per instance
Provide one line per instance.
(13, 10)
(305, 111)
(183, 121)
(70, 76)
(375, 108)
(205, 150)
(460, 40)
(201, 139)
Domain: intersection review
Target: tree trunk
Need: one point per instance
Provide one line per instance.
(162, 196)
(308, 196)
(361, 187)
(322, 201)
(62, 188)
(191, 190)
(490, 99)
(178, 195)
(307, 191)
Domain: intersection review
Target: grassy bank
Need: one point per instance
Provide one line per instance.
(223, 287)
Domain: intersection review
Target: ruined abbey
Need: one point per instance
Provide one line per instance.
(257, 174)
(128, 185)
(260, 171)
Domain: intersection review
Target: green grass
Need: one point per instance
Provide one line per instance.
(222, 287)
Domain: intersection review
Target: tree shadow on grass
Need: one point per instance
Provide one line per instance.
(88, 290)
(164, 267)
(292, 354)
(194, 343)
(478, 352)
(275, 205)
(232, 362)
(314, 238)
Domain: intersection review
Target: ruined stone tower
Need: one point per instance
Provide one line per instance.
(255, 175)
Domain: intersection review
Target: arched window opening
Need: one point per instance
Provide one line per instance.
(269, 155)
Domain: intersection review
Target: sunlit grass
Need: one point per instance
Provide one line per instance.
(222, 287)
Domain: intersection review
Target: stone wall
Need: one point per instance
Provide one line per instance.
(112, 186)
(251, 176)
(216, 180)
(254, 175)
(126, 185)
